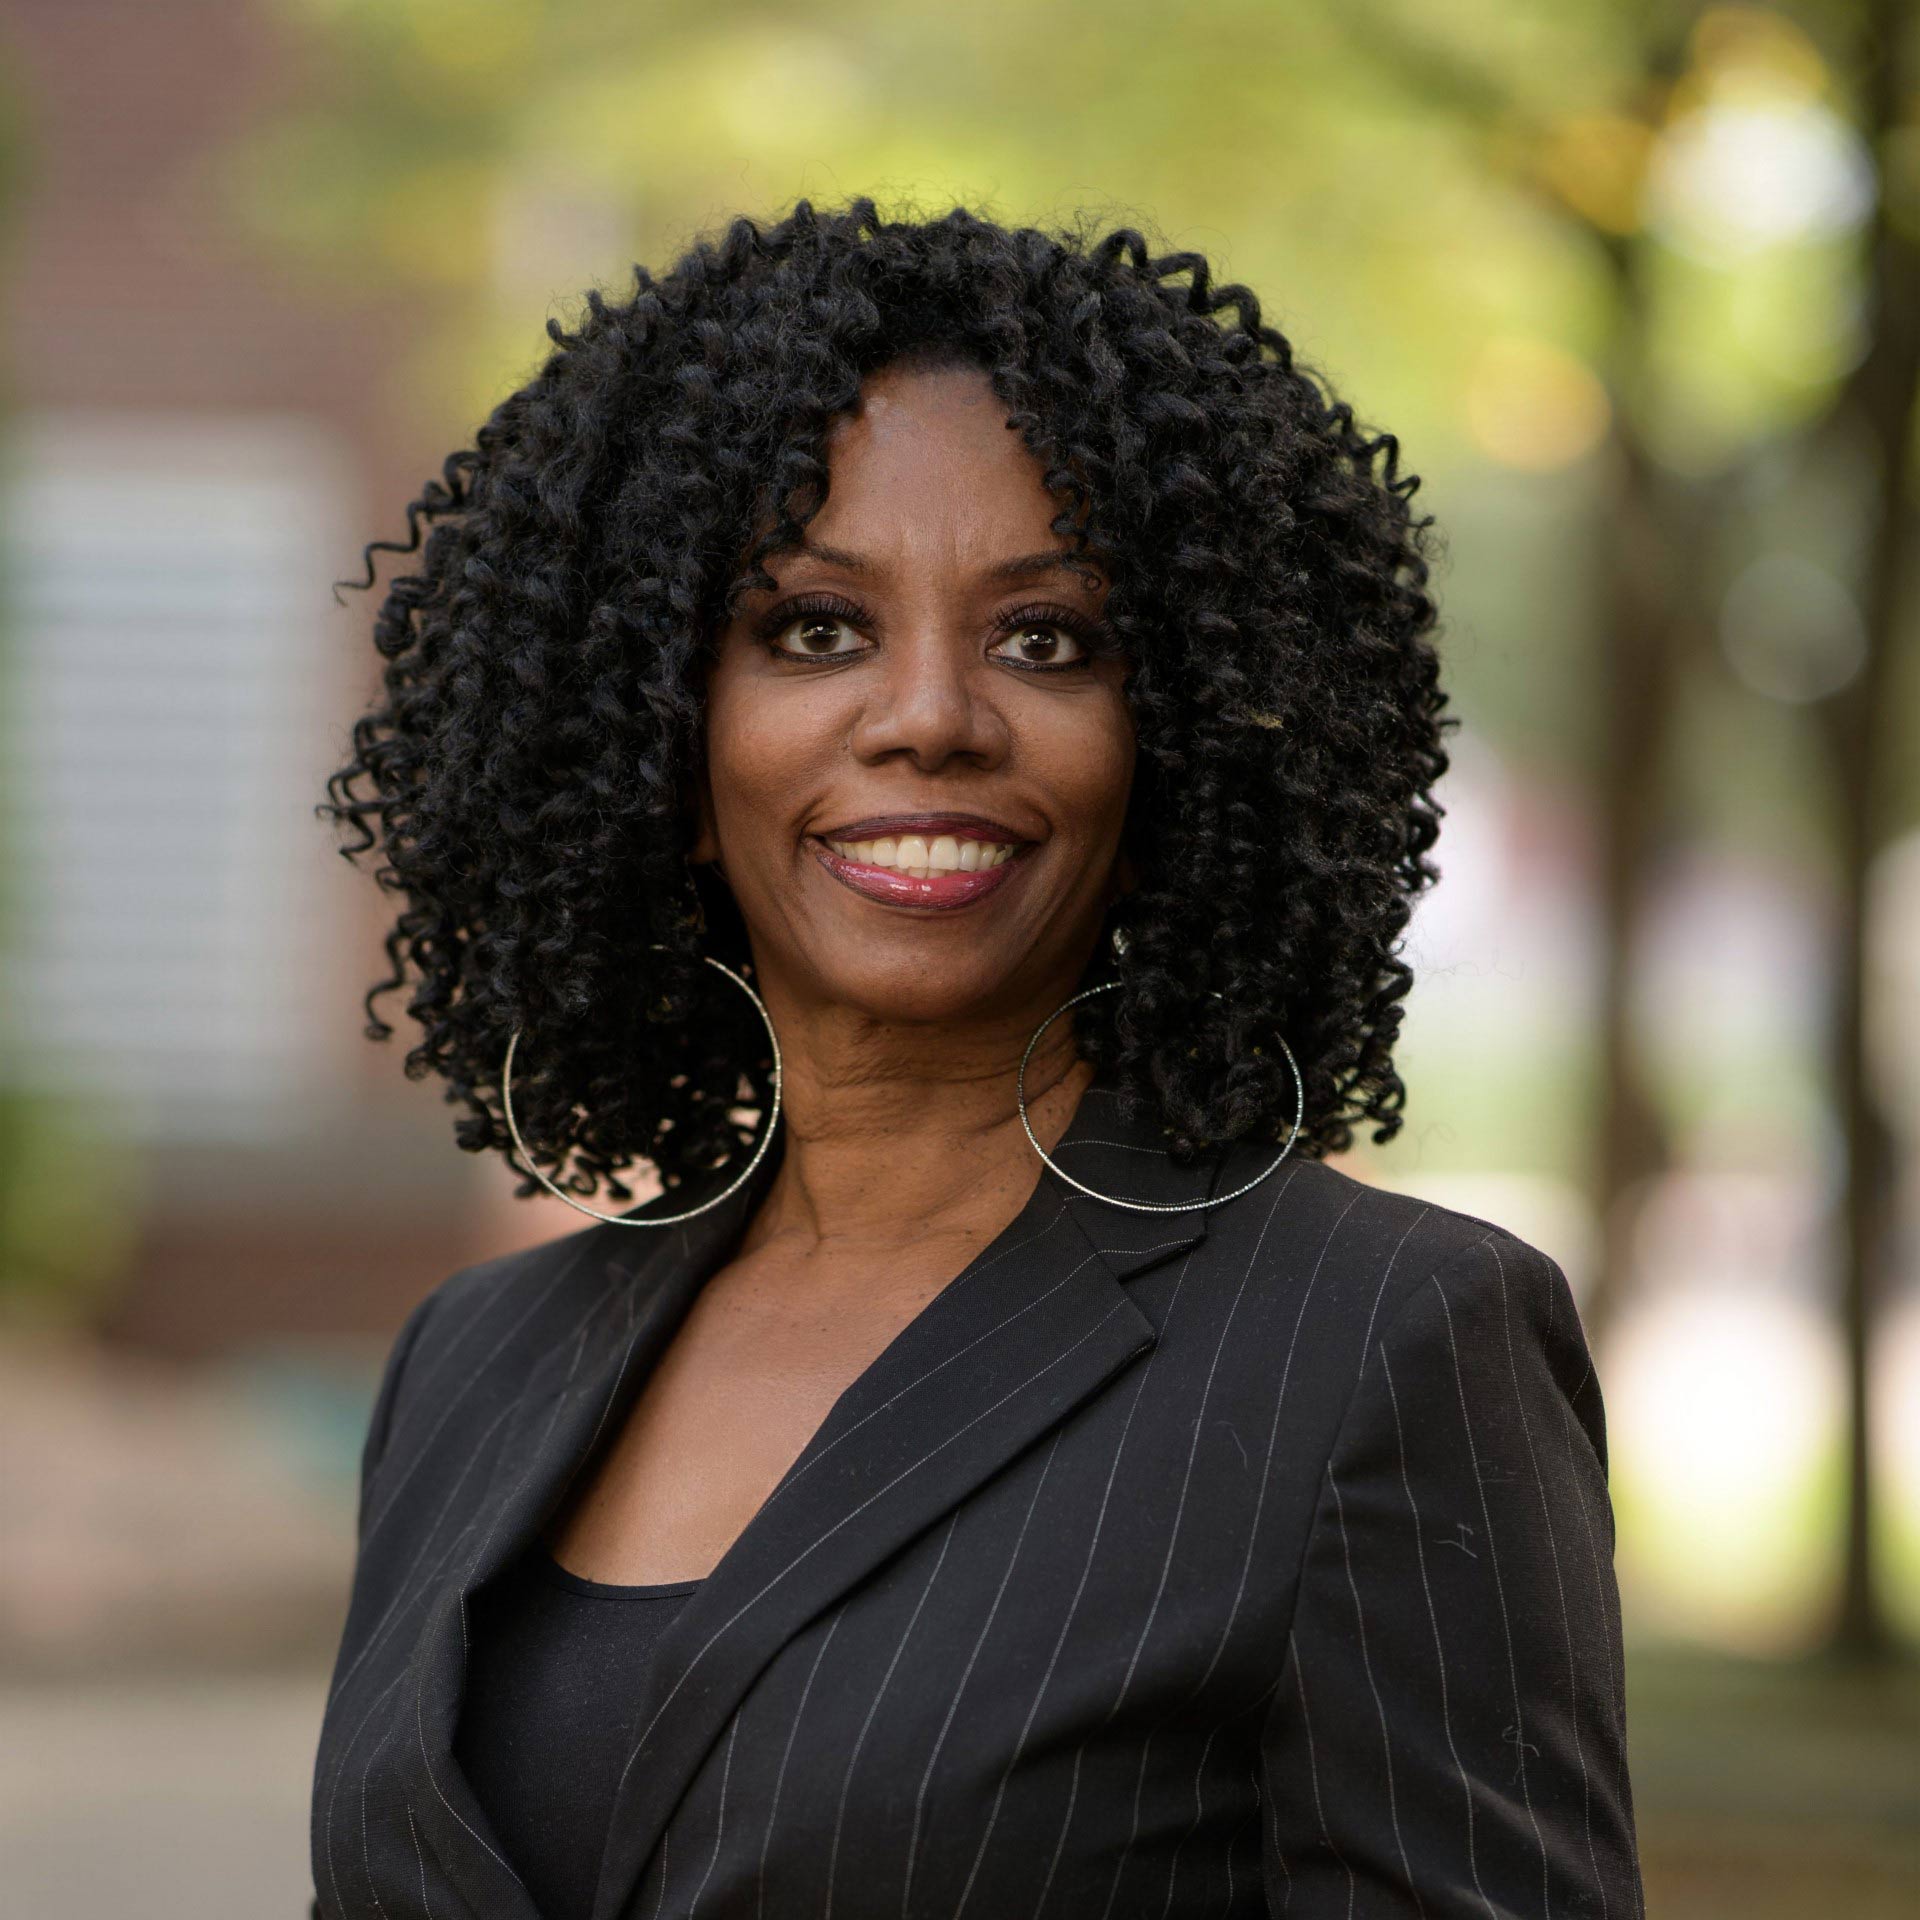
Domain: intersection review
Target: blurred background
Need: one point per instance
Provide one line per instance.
(1637, 287)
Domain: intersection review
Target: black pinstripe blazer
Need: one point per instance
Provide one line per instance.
(1232, 1562)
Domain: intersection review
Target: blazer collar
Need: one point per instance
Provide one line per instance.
(1032, 1326)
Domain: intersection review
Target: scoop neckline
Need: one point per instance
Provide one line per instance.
(605, 1589)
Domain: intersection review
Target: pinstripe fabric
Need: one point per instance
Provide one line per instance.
(1241, 1562)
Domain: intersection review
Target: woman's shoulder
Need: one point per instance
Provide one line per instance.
(512, 1304)
(1340, 1267)
(498, 1317)
(1404, 1284)
(1333, 1225)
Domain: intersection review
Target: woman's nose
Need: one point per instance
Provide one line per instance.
(929, 703)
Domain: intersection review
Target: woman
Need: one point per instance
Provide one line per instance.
(925, 733)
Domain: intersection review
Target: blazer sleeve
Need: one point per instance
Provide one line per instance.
(1448, 1736)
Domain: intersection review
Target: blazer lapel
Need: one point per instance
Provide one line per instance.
(1036, 1323)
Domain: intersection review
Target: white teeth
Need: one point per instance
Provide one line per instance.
(911, 854)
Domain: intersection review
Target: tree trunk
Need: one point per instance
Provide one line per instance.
(1862, 733)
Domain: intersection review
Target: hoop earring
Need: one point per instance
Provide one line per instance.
(664, 1219)
(1149, 1206)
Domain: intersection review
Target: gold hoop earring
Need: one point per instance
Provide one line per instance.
(1148, 1206)
(662, 1219)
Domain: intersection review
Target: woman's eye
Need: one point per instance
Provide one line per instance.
(1042, 643)
(815, 636)
(829, 631)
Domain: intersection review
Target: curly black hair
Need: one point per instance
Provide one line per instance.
(528, 772)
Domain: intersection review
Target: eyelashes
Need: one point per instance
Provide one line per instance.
(1094, 637)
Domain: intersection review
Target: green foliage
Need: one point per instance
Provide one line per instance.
(1434, 206)
(518, 152)
(69, 1205)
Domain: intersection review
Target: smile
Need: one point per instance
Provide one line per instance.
(920, 869)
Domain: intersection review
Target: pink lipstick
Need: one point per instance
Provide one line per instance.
(897, 889)
(922, 859)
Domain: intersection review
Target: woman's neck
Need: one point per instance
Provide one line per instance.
(884, 1143)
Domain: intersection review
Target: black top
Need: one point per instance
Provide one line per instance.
(550, 1714)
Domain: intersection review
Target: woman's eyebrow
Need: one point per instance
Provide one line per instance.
(1023, 566)
(1027, 565)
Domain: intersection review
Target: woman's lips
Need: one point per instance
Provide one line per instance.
(892, 887)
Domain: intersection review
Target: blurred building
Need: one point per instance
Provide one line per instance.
(194, 450)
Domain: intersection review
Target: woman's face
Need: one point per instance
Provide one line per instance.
(916, 774)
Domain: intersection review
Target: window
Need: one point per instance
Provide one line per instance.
(168, 718)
